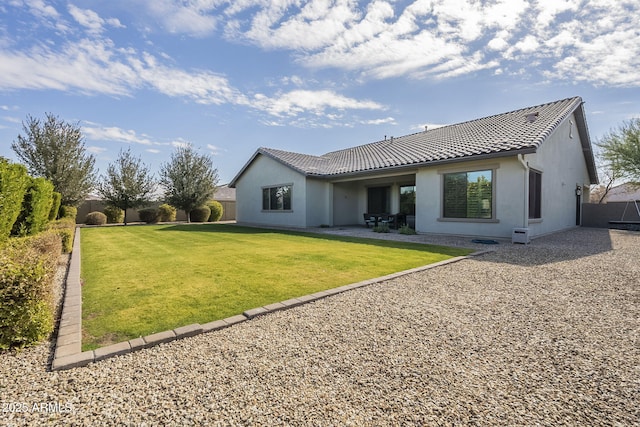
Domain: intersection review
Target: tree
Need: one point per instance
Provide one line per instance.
(128, 183)
(54, 149)
(621, 149)
(189, 179)
(609, 175)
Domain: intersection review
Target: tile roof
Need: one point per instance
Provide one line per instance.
(515, 132)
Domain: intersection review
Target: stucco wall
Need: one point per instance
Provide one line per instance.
(319, 203)
(346, 199)
(561, 161)
(508, 203)
(266, 172)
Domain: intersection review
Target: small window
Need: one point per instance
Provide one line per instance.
(468, 195)
(276, 198)
(535, 194)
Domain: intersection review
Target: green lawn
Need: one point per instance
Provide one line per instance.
(139, 280)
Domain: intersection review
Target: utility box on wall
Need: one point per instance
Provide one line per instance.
(520, 235)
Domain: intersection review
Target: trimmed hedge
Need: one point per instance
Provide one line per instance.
(68, 212)
(27, 271)
(55, 206)
(200, 214)
(66, 229)
(149, 215)
(13, 186)
(36, 207)
(95, 218)
(216, 210)
(166, 213)
(114, 215)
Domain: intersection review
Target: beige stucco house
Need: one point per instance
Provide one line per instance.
(528, 168)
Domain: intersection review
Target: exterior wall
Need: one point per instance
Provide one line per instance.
(561, 161)
(319, 203)
(266, 172)
(599, 215)
(508, 199)
(346, 201)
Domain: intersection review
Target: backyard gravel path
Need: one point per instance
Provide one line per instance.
(544, 334)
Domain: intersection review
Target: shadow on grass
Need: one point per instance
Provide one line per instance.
(244, 230)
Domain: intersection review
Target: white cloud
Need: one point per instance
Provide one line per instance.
(91, 20)
(214, 150)
(115, 134)
(96, 150)
(318, 102)
(41, 9)
(448, 38)
(191, 17)
(383, 121)
(498, 44)
(180, 143)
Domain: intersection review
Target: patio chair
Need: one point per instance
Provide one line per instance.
(369, 219)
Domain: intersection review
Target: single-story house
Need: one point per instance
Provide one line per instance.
(525, 169)
(627, 192)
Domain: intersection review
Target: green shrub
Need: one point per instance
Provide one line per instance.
(65, 228)
(382, 228)
(166, 213)
(95, 218)
(216, 210)
(200, 214)
(114, 215)
(27, 271)
(149, 215)
(405, 229)
(55, 206)
(36, 207)
(68, 212)
(13, 185)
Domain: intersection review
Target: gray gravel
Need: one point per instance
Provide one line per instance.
(544, 334)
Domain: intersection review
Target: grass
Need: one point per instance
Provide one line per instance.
(139, 280)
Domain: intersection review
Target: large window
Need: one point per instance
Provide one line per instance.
(468, 195)
(535, 194)
(408, 199)
(276, 198)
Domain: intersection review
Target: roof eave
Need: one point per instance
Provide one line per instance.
(262, 151)
(585, 140)
(465, 159)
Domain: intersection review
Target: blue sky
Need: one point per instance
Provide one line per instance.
(311, 77)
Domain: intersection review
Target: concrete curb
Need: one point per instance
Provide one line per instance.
(68, 352)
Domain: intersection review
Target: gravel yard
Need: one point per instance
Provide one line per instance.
(544, 334)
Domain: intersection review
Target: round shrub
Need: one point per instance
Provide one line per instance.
(200, 214)
(95, 218)
(114, 215)
(166, 213)
(216, 210)
(148, 215)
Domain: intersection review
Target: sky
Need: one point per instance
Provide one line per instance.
(230, 76)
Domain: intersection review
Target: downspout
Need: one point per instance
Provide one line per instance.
(525, 191)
